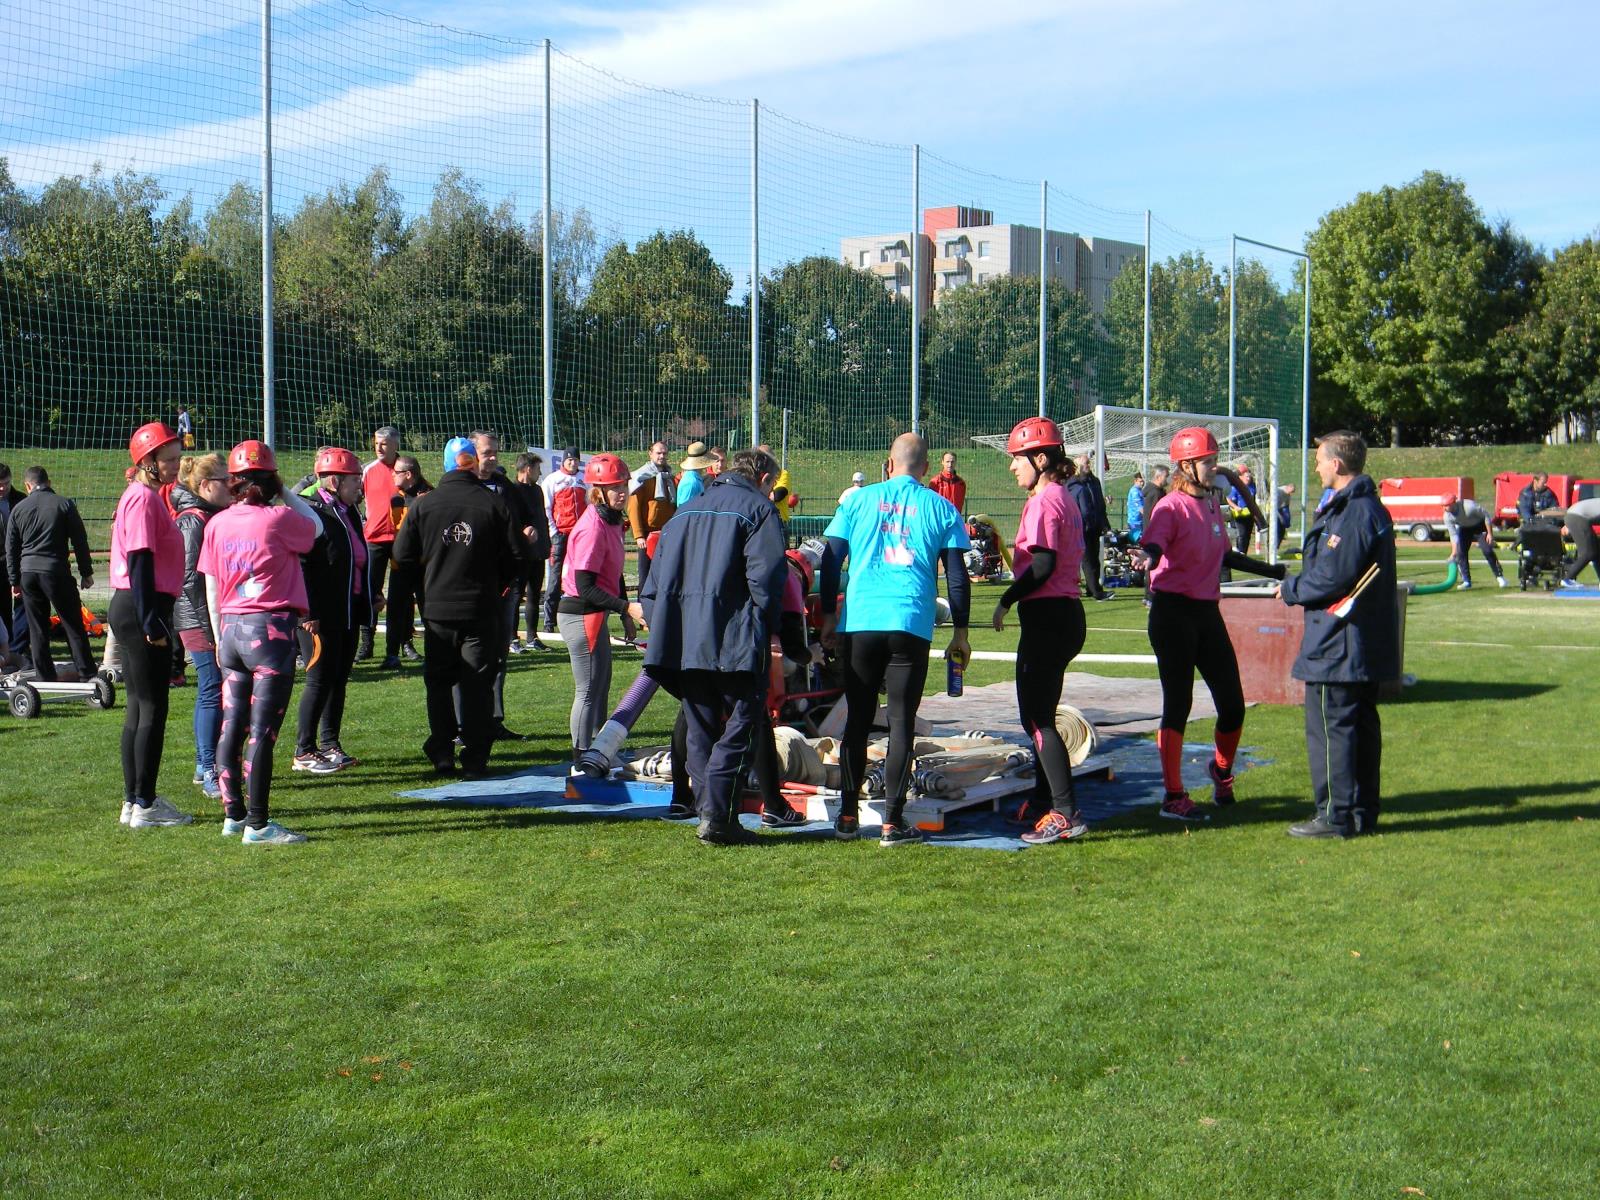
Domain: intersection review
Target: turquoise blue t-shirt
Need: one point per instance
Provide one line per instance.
(897, 530)
(690, 485)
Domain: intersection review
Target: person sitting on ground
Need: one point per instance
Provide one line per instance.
(1537, 500)
(1467, 523)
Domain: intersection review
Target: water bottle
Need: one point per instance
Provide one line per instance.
(954, 675)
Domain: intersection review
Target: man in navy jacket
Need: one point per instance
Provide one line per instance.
(712, 603)
(1350, 645)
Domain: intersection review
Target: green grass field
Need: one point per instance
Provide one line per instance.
(444, 1001)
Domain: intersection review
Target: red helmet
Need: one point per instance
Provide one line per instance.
(605, 470)
(807, 571)
(1033, 433)
(147, 439)
(251, 456)
(1449, 499)
(1194, 442)
(335, 460)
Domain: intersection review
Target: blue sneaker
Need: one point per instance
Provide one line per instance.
(271, 834)
(232, 828)
(210, 787)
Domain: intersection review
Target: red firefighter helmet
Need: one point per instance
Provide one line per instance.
(147, 439)
(335, 460)
(807, 571)
(251, 456)
(1033, 433)
(1194, 442)
(605, 470)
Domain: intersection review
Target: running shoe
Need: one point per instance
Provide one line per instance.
(903, 834)
(199, 775)
(210, 787)
(158, 813)
(127, 812)
(1464, 586)
(681, 812)
(1221, 785)
(1056, 827)
(232, 828)
(1028, 813)
(271, 834)
(516, 647)
(391, 662)
(314, 763)
(1500, 581)
(787, 817)
(1178, 807)
(847, 827)
(408, 653)
(338, 757)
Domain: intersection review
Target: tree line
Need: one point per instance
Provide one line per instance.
(116, 305)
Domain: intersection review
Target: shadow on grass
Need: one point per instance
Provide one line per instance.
(1450, 691)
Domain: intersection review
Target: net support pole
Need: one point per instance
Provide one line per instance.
(547, 333)
(1305, 405)
(268, 366)
(783, 462)
(1098, 465)
(916, 290)
(755, 272)
(1146, 309)
(1272, 493)
(1233, 321)
(1044, 294)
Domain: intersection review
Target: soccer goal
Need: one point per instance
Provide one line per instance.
(1128, 440)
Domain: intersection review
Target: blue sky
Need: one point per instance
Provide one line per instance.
(1228, 117)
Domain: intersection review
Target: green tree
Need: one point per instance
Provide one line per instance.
(1407, 298)
(1188, 336)
(1551, 357)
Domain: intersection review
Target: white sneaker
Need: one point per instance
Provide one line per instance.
(1465, 587)
(1500, 580)
(127, 812)
(272, 834)
(314, 763)
(160, 812)
(232, 828)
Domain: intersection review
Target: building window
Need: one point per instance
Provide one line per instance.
(1108, 260)
(983, 249)
(1122, 261)
(982, 277)
(863, 258)
(1058, 254)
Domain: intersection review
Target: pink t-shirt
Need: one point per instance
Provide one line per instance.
(358, 548)
(1193, 536)
(1051, 520)
(143, 522)
(794, 596)
(253, 552)
(593, 545)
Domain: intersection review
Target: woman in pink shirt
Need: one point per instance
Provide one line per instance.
(1047, 560)
(1186, 543)
(146, 578)
(591, 590)
(257, 596)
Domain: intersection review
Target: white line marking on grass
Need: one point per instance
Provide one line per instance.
(1512, 646)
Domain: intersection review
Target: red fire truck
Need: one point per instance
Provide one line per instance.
(1417, 505)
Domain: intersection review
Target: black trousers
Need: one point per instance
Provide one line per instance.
(534, 591)
(459, 654)
(873, 660)
(1189, 635)
(644, 571)
(1465, 537)
(146, 674)
(1052, 636)
(379, 556)
(1091, 565)
(330, 657)
(552, 596)
(1344, 745)
(1583, 544)
(1244, 528)
(721, 712)
(400, 612)
(58, 590)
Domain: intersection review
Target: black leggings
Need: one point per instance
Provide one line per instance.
(1187, 635)
(330, 656)
(256, 653)
(1052, 636)
(871, 660)
(146, 676)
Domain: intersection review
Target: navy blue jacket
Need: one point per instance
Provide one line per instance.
(716, 584)
(1353, 531)
(1091, 498)
(1530, 502)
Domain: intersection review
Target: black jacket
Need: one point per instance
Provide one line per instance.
(190, 611)
(329, 569)
(1353, 531)
(460, 536)
(1530, 502)
(1091, 498)
(42, 534)
(511, 496)
(533, 501)
(716, 584)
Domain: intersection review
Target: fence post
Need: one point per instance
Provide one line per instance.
(1044, 301)
(1233, 324)
(547, 333)
(268, 366)
(915, 245)
(755, 272)
(1305, 406)
(1147, 309)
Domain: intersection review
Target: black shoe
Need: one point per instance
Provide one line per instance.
(712, 834)
(474, 770)
(391, 662)
(443, 766)
(1317, 828)
(548, 627)
(902, 834)
(847, 827)
(682, 812)
(500, 733)
(408, 653)
(364, 647)
(787, 817)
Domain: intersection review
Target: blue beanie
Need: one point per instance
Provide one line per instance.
(455, 446)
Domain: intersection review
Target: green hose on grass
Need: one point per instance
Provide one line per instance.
(1444, 585)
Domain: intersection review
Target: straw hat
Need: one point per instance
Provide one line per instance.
(697, 458)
